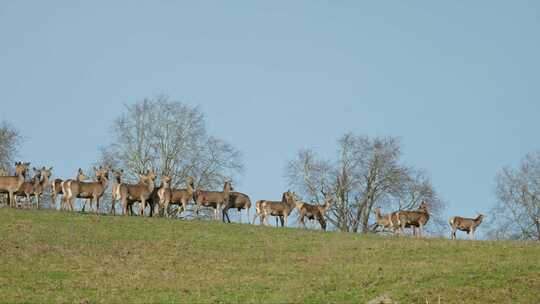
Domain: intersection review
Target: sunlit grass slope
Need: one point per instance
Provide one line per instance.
(57, 257)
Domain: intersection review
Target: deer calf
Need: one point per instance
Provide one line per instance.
(468, 225)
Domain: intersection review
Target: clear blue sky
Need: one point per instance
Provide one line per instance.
(458, 81)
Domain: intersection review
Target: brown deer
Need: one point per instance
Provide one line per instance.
(280, 209)
(164, 195)
(213, 199)
(140, 192)
(87, 190)
(26, 190)
(11, 184)
(239, 201)
(182, 197)
(387, 221)
(415, 219)
(36, 187)
(56, 188)
(115, 189)
(314, 211)
(468, 225)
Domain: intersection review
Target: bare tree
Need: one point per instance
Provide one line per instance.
(366, 173)
(170, 137)
(10, 140)
(516, 214)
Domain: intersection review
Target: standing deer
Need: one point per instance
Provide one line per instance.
(164, 195)
(26, 190)
(280, 209)
(468, 225)
(89, 190)
(43, 183)
(115, 189)
(35, 187)
(237, 200)
(182, 197)
(416, 219)
(388, 221)
(140, 192)
(11, 184)
(314, 211)
(56, 188)
(213, 199)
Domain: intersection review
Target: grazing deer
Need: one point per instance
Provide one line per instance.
(237, 200)
(468, 225)
(140, 192)
(274, 208)
(213, 199)
(164, 195)
(11, 184)
(182, 197)
(416, 219)
(56, 188)
(314, 211)
(89, 190)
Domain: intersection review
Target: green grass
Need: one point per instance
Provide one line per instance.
(57, 257)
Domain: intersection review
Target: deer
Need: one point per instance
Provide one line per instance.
(56, 188)
(182, 197)
(115, 189)
(164, 194)
(281, 209)
(27, 189)
(11, 184)
(312, 212)
(36, 186)
(43, 183)
(416, 218)
(89, 190)
(389, 221)
(468, 225)
(239, 201)
(213, 199)
(140, 192)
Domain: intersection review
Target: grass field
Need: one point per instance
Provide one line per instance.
(56, 257)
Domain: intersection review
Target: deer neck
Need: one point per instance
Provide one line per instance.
(150, 185)
(21, 179)
(326, 206)
(226, 193)
(44, 181)
(190, 189)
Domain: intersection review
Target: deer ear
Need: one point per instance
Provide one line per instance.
(50, 169)
(28, 164)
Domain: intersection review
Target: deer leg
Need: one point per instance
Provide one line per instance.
(225, 213)
(143, 206)
(113, 201)
(97, 205)
(166, 209)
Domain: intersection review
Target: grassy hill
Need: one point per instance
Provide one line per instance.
(56, 257)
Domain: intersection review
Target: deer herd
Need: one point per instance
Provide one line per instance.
(158, 199)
